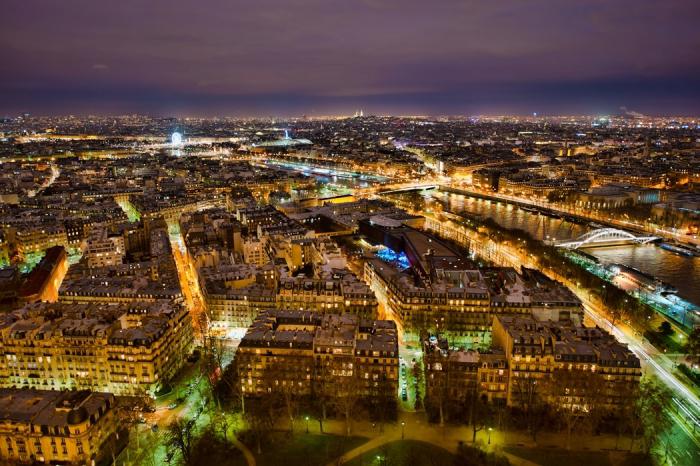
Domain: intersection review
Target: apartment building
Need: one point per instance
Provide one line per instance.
(105, 248)
(570, 365)
(306, 353)
(339, 293)
(459, 375)
(124, 349)
(52, 427)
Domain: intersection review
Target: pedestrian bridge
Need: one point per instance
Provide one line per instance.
(605, 237)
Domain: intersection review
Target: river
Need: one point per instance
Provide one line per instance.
(680, 271)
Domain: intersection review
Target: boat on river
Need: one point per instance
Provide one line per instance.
(678, 249)
(642, 279)
(532, 210)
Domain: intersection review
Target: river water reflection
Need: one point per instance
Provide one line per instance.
(680, 271)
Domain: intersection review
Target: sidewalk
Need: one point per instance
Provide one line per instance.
(449, 437)
(249, 458)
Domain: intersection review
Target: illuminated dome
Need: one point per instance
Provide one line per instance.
(176, 139)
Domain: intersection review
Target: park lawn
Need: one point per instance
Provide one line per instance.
(558, 456)
(405, 452)
(305, 449)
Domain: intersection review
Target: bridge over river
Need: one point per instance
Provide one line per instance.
(605, 237)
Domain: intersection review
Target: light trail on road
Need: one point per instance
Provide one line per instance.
(511, 256)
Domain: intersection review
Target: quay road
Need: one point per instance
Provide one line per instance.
(555, 209)
(684, 408)
(544, 207)
(386, 183)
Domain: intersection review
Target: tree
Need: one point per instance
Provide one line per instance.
(130, 409)
(179, 436)
(556, 196)
(618, 307)
(528, 393)
(221, 422)
(382, 400)
(346, 401)
(624, 416)
(480, 414)
(577, 394)
(259, 418)
(436, 396)
(212, 361)
(471, 455)
(418, 371)
(501, 413)
(209, 449)
(692, 347)
(228, 388)
(288, 400)
(322, 390)
(665, 328)
(649, 414)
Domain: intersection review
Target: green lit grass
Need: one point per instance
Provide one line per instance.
(30, 261)
(405, 452)
(132, 214)
(303, 449)
(558, 457)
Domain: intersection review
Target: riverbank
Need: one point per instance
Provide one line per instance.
(573, 214)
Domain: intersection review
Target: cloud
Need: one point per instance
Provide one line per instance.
(332, 50)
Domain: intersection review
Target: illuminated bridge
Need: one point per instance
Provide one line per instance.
(605, 237)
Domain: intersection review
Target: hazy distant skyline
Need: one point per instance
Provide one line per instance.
(321, 57)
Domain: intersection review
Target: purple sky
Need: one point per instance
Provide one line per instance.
(293, 57)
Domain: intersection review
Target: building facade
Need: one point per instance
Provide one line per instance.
(564, 365)
(124, 349)
(51, 427)
(309, 354)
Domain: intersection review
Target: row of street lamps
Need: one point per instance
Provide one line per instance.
(403, 431)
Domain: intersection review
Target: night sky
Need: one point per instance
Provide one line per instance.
(319, 57)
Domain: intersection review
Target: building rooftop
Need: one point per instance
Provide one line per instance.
(52, 408)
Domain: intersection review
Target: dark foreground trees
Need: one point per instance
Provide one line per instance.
(649, 418)
(179, 436)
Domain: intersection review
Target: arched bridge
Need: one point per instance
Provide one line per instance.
(605, 237)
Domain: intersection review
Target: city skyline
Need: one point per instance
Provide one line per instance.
(350, 232)
(320, 58)
(473, 284)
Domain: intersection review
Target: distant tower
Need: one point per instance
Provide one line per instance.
(362, 113)
(286, 134)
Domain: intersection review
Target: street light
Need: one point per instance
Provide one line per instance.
(403, 425)
(307, 424)
(490, 429)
